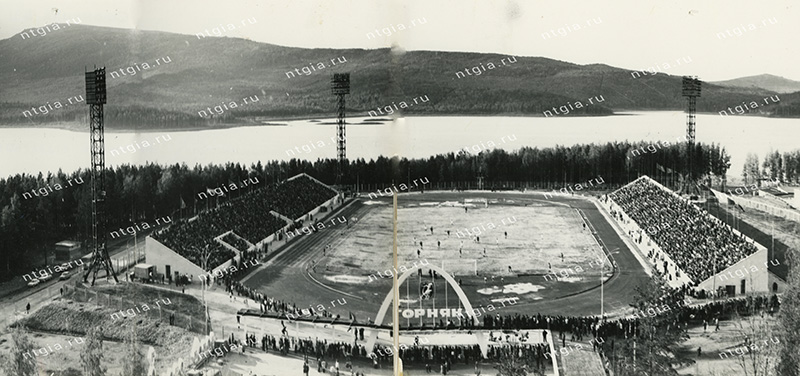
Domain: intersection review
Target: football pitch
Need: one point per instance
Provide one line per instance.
(525, 248)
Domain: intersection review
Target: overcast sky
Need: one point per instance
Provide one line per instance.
(630, 34)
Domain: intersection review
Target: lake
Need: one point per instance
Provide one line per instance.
(31, 150)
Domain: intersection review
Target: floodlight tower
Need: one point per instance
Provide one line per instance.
(691, 90)
(96, 98)
(340, 86)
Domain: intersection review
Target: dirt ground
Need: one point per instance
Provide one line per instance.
(59, 355)
(58, 329)
(538, 235)
(721, 351)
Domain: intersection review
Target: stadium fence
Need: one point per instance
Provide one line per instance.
(788, 214)
(783, 204)
(124, 264)
(474, 185)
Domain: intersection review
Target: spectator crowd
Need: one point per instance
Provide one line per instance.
(236, 242)
(440, 357)
(249, 216)
(697, 242)
(269, 305)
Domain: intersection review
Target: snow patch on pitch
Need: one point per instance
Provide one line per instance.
(504, 299)
(490, 290)
(455, 204)
(516, 288)
(522, 288)
(349, 279)
(373, 202)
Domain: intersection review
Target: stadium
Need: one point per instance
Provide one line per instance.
(561, 277)
(469, 233)
(471, 265)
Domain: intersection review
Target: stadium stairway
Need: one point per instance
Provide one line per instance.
(603, 209)
(578, 359)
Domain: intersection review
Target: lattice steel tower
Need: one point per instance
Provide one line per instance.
(340, 86)
(691, 90)
(96, 98)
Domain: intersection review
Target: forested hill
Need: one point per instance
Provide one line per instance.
(195, 73)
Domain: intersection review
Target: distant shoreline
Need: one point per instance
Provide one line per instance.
(77, 127)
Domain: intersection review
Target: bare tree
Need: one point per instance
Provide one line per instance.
(751, 171)
(92, 355)
(789, 319)
(650, 349)
(508, 364)
(133, 362)
(757, 356)
(15, 362)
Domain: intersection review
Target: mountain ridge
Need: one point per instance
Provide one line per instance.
(208, 71)
(764, 81)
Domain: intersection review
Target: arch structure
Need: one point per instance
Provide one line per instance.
(387, 303)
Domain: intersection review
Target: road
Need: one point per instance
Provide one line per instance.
(13, 304)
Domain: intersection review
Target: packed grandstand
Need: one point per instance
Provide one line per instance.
(697, 242)
(248, 216)
(236, 242)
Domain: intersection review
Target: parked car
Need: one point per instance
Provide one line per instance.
(33, 282)
(46, 277)
(64, 275)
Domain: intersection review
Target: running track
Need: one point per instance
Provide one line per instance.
(285, 277)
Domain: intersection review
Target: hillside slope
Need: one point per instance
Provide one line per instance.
(763, 81)
(195, 74)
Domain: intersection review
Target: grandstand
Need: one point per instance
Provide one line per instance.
(235, 241)
(687, 245)
(235, 227)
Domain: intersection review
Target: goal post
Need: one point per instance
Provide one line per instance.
(460, 266)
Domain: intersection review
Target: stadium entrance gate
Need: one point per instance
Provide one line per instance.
(387, 302)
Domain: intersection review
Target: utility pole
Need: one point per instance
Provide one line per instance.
(206, 255)
(602, 274)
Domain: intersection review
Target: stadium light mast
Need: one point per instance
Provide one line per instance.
(690, 90)
(340, 86)
(96, 98)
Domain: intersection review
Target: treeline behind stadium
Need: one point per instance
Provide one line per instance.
(135, 194)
